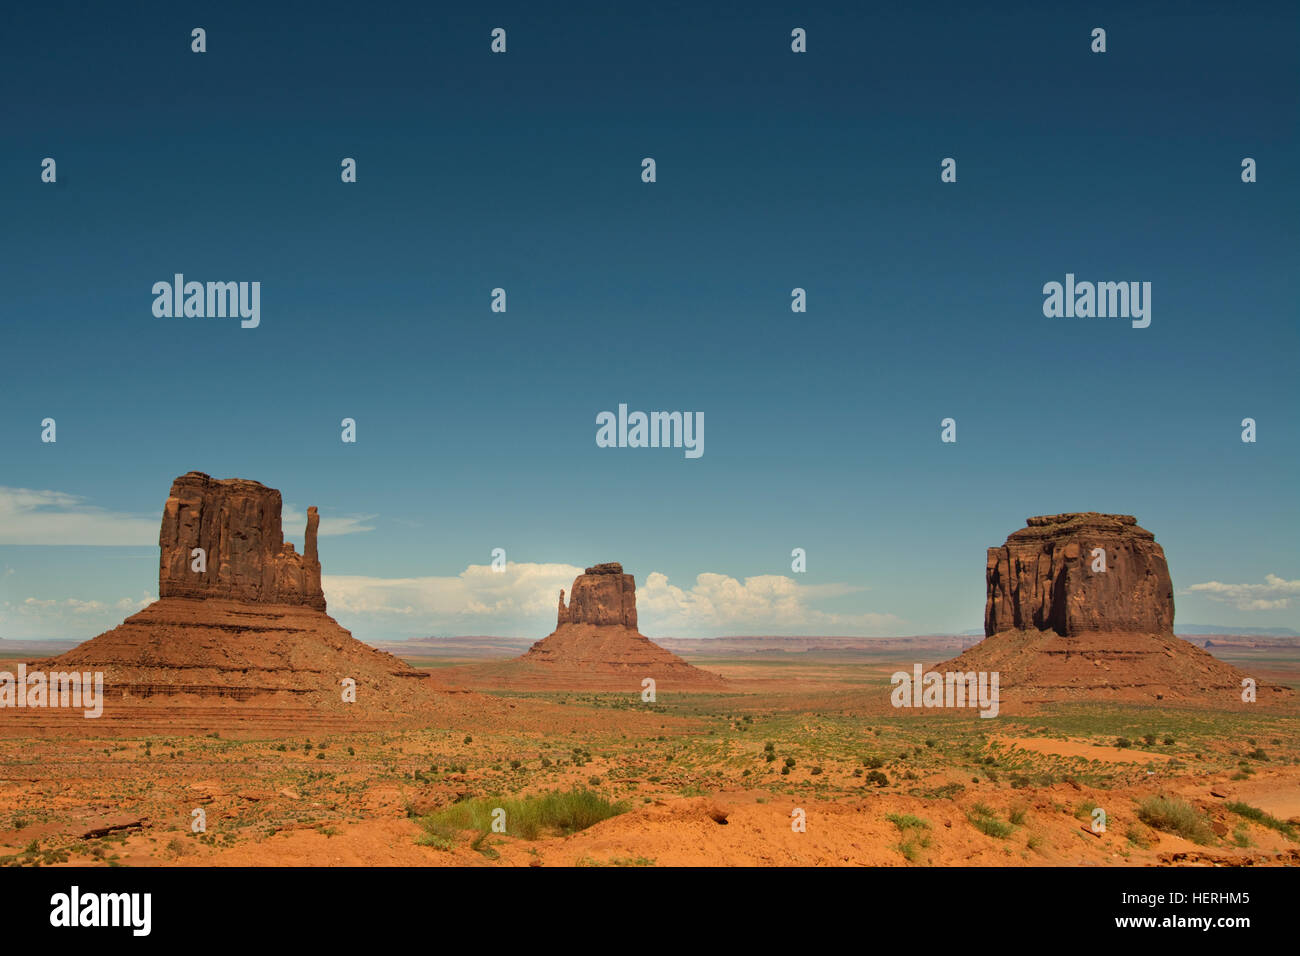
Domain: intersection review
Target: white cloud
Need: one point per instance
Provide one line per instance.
(294, 523)
(1273, 594)
(473, 602)
(68, 618)
(766, 604)
(519, 601)
(52, 517)
(522, 601)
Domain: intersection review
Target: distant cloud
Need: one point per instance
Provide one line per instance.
(476, 601)
(31, 517)
(522, 601)
(52, 517)
(294, 522)
(1273, 594)
(70, 618)
(719, 605)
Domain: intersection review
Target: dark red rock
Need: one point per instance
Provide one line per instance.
(237, 523)
(603, 595)
(1058, 631)
(253, 626)
(1042, 578)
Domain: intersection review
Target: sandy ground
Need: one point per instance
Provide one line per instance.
(702, 779)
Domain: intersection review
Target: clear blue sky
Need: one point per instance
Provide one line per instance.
(775, 170)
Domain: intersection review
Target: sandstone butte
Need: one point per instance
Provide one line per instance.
(1056, 630)
(595, 646)
(253, 624)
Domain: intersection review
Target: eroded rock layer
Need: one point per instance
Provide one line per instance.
(218, 648)
(1080, 607)
(604, 595)
(236, 525)
(1045, 577)
(251, 624)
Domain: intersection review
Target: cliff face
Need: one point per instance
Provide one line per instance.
(251, 627)
(1043, 578)
(1059, 629)
(603, 595)
(237, 524)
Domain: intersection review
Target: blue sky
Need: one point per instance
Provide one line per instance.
(476, 429)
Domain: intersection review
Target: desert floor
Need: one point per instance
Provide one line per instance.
(690, 772)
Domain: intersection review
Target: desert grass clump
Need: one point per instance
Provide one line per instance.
(1172, 815)
(1264, 819)
(983, 819)
(1139, 836)
(437, 835)
(913, 832)
(1084, 810)
(559, 812)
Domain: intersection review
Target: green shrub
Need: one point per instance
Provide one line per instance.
(1176, 816)
(982, 818)
(1256, 815)
(560, 812)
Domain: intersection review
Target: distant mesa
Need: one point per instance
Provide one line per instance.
(595, 646)
(1058, 628)
(251, 624)
(603, 595)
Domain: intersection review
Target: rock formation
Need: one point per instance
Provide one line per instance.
(1043, 577)
(252, 624)
(603, 595)
(595, 646)
(1058, 627)
(236, 523)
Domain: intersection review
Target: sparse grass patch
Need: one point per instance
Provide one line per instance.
(984, 820)
(1256, 815)
(528, 817)
(1172, 815)
(913, 834)
(1139, 836)
(617, 861)
(437, 835)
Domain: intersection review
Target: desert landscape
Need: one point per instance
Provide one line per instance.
(242, 725)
